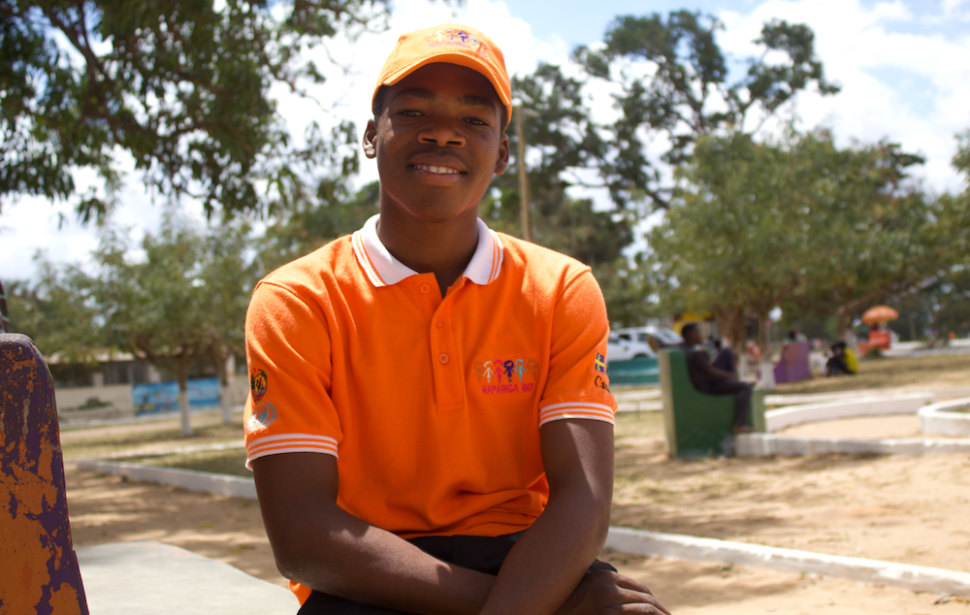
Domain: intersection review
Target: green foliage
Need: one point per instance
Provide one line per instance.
(876, 235)
(802, 224)
(315, 220)
(181, 87)
(186, 297)
(672, 77)
(561, 138)
(58, 312)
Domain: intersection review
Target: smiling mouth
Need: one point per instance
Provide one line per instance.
(436, 170)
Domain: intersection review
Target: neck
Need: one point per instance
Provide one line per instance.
(441, 248)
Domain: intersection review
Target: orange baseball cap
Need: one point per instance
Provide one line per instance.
(452, 43)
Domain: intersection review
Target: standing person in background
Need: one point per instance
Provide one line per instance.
(718, 377)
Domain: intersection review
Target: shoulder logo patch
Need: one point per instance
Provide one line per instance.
(263, 415)
(600, 363)
(258, 384)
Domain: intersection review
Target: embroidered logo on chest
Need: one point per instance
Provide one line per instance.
(507, 375)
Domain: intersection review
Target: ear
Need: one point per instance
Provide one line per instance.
(370, 139)
(503, 155)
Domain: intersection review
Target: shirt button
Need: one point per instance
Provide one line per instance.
(442, 358)
(439, 324)
(425, 288)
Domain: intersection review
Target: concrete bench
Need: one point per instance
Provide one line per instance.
(38, 567)
(640, 370)
(698, 424)
(128, 578)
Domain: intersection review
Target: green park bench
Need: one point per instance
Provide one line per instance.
(698, 424)
(639, 370)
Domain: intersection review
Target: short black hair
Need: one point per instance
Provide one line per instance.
(377, 107)
(687, 329)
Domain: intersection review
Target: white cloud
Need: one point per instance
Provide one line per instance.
(883, 74)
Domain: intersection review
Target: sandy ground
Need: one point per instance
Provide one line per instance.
(109, 509)
(905, 509)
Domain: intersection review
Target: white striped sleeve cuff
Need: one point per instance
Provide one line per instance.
(290, 443)
(576, 410)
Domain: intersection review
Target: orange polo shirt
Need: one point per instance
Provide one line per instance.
(431, 405)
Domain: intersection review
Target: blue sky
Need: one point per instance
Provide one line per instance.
(904, 66)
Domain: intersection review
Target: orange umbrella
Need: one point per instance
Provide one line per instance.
(880, 313)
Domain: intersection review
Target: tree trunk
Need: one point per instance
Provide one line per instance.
(222, 368)
(764, 339)
(842, 323)
(733, 331)
(183, 375)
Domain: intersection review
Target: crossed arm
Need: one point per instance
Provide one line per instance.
(321, 546)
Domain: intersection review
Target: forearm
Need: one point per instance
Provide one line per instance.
(550, 559)
(352, 559)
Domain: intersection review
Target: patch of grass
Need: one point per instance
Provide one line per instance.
(229, 461)
(642, 425)
(106, 440)
(892, 373)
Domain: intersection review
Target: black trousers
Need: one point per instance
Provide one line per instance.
(481, 553)
(741, 390)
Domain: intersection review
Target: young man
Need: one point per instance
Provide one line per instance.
(718, 377)
(425, 425)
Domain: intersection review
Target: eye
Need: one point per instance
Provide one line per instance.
(476, 121)
(409, 112)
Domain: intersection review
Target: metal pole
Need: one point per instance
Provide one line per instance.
(523, 176)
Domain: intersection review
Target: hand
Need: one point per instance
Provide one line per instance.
(605, 591)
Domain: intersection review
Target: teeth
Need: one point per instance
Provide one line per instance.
(436, 170)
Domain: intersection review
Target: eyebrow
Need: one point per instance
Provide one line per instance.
(467, 101)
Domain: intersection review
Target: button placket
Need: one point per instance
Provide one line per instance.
(446, 366)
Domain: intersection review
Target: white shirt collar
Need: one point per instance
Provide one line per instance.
(382, 269)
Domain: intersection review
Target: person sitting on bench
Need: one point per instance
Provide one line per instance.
(719, 377)
(430, 425)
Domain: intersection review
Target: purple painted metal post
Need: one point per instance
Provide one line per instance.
(38, 568)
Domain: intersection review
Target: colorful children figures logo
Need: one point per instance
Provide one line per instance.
(457, 38)
(258, 384)
(511, 370)
(506, 375)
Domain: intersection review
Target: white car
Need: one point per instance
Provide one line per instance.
(631, 343)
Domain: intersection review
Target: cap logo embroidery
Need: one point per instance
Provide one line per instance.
(258, 383)
(457, 38)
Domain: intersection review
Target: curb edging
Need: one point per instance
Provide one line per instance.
(221, 484)
(690, 548)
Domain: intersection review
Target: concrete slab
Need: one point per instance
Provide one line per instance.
(904, 403)
(947, 418)
(135, 578)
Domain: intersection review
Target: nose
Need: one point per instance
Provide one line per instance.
(441, 131)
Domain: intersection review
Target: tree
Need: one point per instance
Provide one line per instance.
(315, 219)
(875, 235)
(57, 312)
(184, 88)
(560, 138)
(227, 275)
(736, 240)
(672, 81)
(181, 302)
